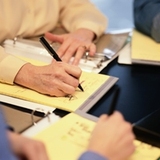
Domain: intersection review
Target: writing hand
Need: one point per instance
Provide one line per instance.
(55, 79)
(112, 137)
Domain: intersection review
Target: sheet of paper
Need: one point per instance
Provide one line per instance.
(145, 151)
(71, 134)
(67, 138)
(125, 55)
(144, 49)
(90, 82)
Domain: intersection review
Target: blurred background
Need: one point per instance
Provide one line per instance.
(118, 12)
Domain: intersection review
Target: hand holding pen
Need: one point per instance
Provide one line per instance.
(55, 55)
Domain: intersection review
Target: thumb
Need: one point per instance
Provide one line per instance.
(103, 118)
(53, 37)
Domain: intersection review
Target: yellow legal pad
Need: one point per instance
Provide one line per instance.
(94, 85)
(144, 50)
(68, 139)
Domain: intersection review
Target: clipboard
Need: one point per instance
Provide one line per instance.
(95, 86)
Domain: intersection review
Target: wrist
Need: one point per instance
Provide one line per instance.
(24, 75)
(88, 33)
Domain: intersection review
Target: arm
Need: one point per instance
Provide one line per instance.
(9, 66)
(55, 79)
(86, 15)
(16, 147)
(5, 150)
(147, 17)
(84, 26)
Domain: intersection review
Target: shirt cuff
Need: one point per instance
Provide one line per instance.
(91, 156)
(9, 68)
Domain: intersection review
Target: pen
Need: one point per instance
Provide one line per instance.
(113, 103)
(53, 54)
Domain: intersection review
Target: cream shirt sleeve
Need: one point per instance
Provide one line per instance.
(9, 66)
(75, 14)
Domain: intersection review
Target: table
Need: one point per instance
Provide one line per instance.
(139, 93)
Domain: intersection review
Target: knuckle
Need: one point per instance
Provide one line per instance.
(71, 90)
(70, 51)
(128, 126)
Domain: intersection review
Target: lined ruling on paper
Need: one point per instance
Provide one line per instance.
(71, 135)
(92, 83)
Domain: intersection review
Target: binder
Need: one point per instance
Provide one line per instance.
(34, 52)
(107, 50)
(20, 119)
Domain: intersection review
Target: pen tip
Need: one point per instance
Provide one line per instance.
(80, 87)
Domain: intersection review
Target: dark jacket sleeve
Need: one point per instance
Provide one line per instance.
(145, 12)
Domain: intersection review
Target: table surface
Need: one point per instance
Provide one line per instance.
(139, 90)
(139, 94)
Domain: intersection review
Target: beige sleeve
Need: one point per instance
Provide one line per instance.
(77, 14)
(9, 66)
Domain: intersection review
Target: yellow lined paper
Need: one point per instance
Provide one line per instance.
(68, 139)
(144, 49)
(91, 83)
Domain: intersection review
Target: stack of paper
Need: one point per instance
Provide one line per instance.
(144, 50)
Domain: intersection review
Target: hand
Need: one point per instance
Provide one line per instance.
(112, 137)
(26, 148)
(74, 44)
(55, 79)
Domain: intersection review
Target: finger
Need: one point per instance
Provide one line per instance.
(117, 115)
(36, 150)
(63, 49)
(69, 53)
(56, 92)
(64, 82)
(66, 88)
(79, 54)
(92, 49)
(73, 71)
(53, 37)
(102, 118)
(68, 49)
(62, 89)
(116, 118)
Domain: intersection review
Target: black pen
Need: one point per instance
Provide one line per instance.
(114, 101)
(53, 54)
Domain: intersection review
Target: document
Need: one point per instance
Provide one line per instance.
(94, 85)
(69, 137)
(144, 50)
